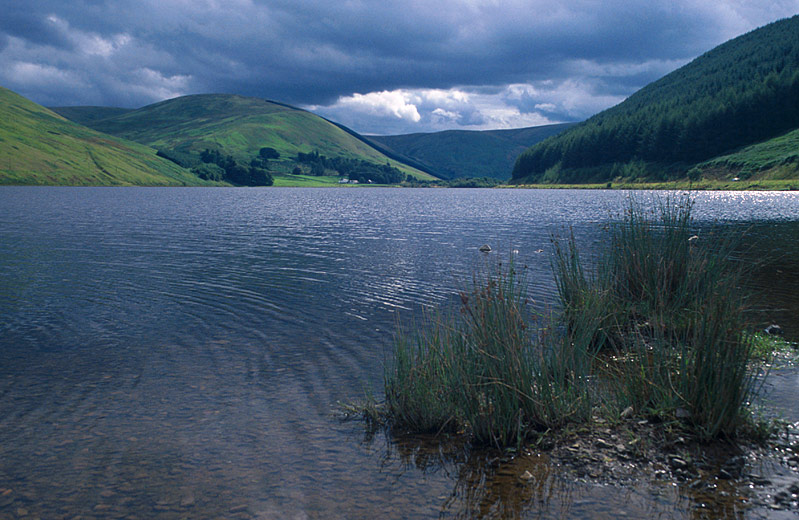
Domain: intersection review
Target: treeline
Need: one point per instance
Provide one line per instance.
(461, 182)
(354, 169)
(214, 166)
(742, 92)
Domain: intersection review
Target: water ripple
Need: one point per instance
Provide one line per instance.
(164, 347)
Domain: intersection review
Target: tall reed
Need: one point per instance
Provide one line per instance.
(419, 382)
(671, 307)
(488, 368)
(661, 306)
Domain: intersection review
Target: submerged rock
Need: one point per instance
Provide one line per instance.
(677, 463)
(758, 480)
(485, 248)
(773, 329)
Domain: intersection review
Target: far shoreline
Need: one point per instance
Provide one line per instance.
(282, 182)
(703, 185)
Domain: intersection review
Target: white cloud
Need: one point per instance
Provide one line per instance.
(154, 85)
(396, 103)
(38, 74)
(89, 43)
(92, 71)
(441, 97)
(426, 110)
(95, 45)
(441, 116)
(567, 100)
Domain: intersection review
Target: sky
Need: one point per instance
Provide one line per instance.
(376, 66)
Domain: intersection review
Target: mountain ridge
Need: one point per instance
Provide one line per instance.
(239, 126)
(453, 154)
(742, 92)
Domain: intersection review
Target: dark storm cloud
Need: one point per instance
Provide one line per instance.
(425, 64)
(23, 23)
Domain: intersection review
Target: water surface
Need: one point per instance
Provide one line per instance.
(178, 353)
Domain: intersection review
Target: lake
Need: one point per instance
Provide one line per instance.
(179, 353)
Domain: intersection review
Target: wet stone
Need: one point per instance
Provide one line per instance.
(782, 497)
(757, 480)
(602, 444)
(736, 462)
(677, 462)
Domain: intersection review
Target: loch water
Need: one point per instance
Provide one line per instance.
(179, 352)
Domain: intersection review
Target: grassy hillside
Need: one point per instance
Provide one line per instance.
(234, 125)
(774, 159)
(742, 92)
(38, 146)
(461, 153)
(87, 115)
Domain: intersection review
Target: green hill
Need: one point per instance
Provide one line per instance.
(87, 115)
(776, 159)
(38, 146)
(237, 126)
(743, 92)
(465, 153)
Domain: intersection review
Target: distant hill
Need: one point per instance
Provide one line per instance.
(87, 115)
(743, 92)
(235, 125)
(38, 146)
(453, 154)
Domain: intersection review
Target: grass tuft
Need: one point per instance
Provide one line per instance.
(489, 369)
(657, 324)
(669, 304)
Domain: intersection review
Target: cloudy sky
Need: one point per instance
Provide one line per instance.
(377, 66)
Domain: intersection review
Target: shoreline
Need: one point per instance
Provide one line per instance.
(283, 182)
(704, 185)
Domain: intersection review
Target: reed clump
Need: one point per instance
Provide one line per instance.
(656, 322)
(487, 369)
(671, 313)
